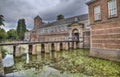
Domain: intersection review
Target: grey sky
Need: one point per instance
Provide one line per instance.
(47, 9)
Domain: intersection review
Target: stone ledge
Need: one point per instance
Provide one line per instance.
(105, 54)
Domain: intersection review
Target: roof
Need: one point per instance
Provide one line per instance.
(67, 20)
(91, 1)
(37, 17)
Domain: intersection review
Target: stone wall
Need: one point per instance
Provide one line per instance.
(105, 33)
(86, 39)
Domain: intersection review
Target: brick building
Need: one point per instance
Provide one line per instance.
(105, 28)
(73, 28)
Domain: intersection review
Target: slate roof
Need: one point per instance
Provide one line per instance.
(67, 20)
(37, 17)
(89, 2)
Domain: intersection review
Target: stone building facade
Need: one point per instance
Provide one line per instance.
(105, 28)
(73, 28)
(27, 36)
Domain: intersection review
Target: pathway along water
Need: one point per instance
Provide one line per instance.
(74, 63)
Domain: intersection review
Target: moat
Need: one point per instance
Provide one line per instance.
(73, 63)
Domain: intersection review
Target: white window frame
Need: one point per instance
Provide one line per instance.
(87, 25)
(97, 13)
(112, 8)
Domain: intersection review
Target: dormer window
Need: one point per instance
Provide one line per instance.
(97, 13)
(112, 8)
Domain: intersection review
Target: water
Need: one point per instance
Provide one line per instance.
(31, 65)
(74, 63)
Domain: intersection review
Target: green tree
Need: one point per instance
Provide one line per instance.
(21, 28)
(12, 34)
(3, 34)
(1, 20)
(60, 17)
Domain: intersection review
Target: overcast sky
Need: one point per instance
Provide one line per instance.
(12, 10)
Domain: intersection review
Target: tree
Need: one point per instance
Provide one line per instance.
(60, 17)
(21, 29)
(3, 34)
(12, 34)
(1, 20)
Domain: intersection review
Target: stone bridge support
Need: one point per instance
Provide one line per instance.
(47, 47)
(32, 49)
(80, 45)
(38, 48)
(17, 51)
(57, 46)
(65, 46)
(71, 45)
(75, 45)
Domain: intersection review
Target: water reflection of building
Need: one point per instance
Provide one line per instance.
(73, 28)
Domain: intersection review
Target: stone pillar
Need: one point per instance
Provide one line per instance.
(34, 52)
(16, 50)
(38, 48)
(80, 44)
(57, 46)
(1, 66)
(47, 47)
(65, 46)
(75, 47)
(71, 45)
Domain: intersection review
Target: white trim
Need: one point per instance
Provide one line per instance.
(110, 8)
(106, 29)
(104, 43)
(105, 34)
(106, 48)
(97, 12)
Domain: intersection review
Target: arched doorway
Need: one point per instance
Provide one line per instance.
(75, 35)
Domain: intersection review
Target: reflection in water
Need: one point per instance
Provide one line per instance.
(8, 61)
(28, 63)
(27, 58)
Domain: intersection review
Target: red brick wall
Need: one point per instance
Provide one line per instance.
(37, 23)
(104, 10)
(105, 34)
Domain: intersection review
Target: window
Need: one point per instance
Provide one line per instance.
(87, 24)
(112, 8)
(97, 13)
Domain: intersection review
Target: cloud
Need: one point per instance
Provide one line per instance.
(13, 10)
